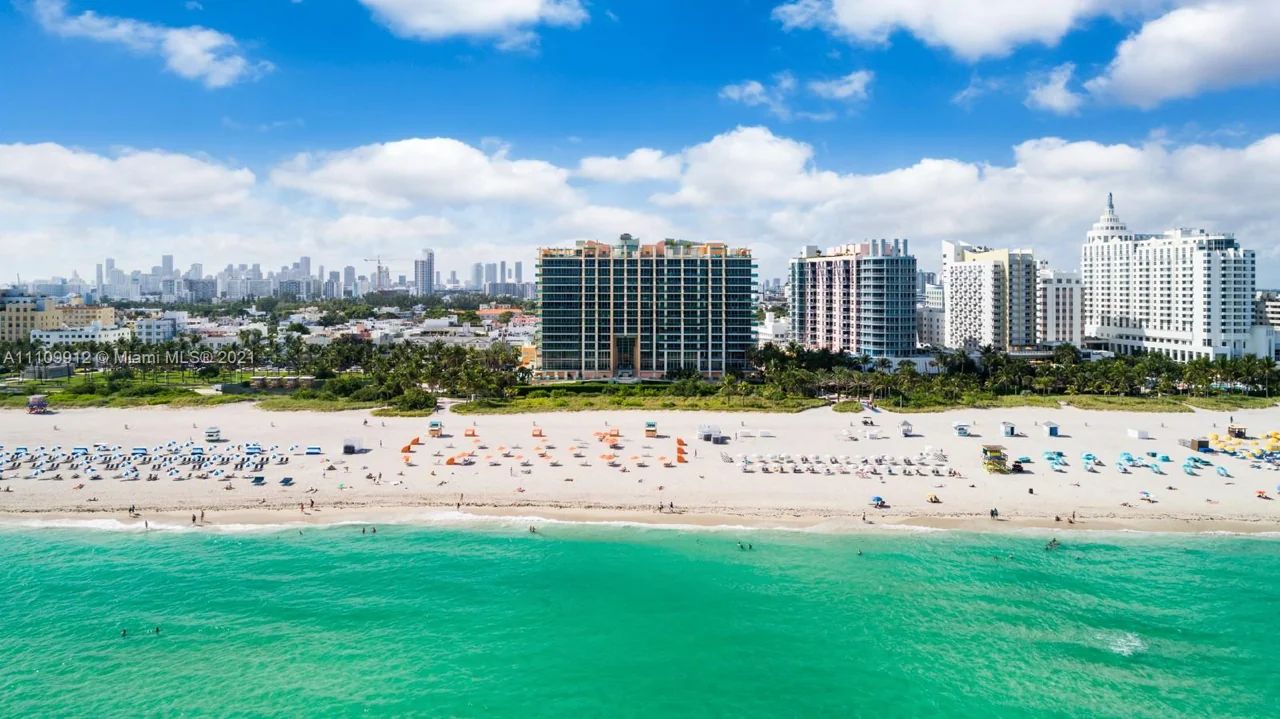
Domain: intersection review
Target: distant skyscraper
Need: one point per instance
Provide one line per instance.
(166, 265)
(502, 271)
(477, 276)
(491, 272)
(424, 273)
(519, 273)
(304, 266)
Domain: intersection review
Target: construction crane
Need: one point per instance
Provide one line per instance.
(378, 261)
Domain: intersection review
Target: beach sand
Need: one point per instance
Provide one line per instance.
(705, 491)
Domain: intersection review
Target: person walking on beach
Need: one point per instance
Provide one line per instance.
(313, 503)
(193, 520)
(302, 507)
(202, 516)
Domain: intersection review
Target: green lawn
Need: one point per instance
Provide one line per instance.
(582, 403)
(849, 405)
(1226, 403)
(293, 404)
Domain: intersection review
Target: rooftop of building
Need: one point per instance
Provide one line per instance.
(628, 246)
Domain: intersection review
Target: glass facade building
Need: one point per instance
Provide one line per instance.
(644, 310)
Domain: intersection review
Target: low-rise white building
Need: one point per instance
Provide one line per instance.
(72, 335)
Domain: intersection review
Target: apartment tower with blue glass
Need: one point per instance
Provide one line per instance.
(644, 310)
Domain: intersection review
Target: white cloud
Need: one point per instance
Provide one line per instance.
(747, 186)
(750, 183)
(194, 53)
(754, 93)
(605, 223)
(1207, 46)
(365, 229)
(1052, 94)
(972, 29)
(152, 183)
(641, 164)
(853, 86)
(511, 21)
(745, 163)
(977, 88)
(434, 171)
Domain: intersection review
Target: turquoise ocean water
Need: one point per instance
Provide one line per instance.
(618, 621)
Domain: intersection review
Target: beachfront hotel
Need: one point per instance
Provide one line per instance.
(644, 310)
(990, 297)
(1185, 293)
(1059, 307)
(857, 298)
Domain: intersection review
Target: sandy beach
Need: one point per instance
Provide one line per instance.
(515, 474)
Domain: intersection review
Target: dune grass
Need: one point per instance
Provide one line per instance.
(1225, 403)
(583, 403)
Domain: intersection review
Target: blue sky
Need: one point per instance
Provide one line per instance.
(236, 131)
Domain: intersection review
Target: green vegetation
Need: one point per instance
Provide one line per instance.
(312, 404)
(577, 403)
(1226, 403)
(849, 406)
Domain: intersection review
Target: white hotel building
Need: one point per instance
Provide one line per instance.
(1185, 293)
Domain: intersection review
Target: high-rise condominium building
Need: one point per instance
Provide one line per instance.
(1184, 293)
(644, 310)
(477, 276)
(858, 298)
(424, 273)
(519, 273)
(1059, 307)
(990, 297)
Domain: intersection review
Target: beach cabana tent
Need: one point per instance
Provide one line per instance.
(435, 428)
(651, 429)
(961, 428)
(1050, 429)
(1008, 430)
(351, 445)
(1138, 433)
(313, 450)
(906, 428)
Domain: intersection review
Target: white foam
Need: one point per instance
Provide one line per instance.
(1126, 644)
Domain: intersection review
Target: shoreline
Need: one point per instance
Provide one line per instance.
(426, 514)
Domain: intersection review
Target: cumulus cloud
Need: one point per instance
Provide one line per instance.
(1051, 93)
(150, 183)
(769, 188)
(603, 222)
(434, 171)
(746, 186)
(361, 228)
(511, 21)
(851, 87)
(641, 164)
(1206, 46)
(972, 29)
(195, 53)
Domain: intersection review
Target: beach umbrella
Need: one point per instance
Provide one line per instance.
(1144, 493)
(877, 499)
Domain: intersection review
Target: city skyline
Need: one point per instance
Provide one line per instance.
(815, 126)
